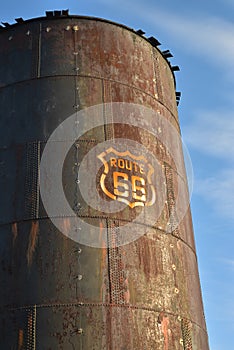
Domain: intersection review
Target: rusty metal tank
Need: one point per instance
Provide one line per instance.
(58, 291)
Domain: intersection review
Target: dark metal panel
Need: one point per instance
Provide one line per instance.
(39, 265)
(19, 182)
(58, 48)
(16, 56)
(31, 111)
(8, 183)
(92, 327)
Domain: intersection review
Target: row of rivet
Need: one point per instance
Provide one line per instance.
(48, 29)
(76, 107)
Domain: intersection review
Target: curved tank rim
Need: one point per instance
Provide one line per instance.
(85, 17)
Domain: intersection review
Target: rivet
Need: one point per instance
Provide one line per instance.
(76, 106)
(171, 245)
(77, 145)
(160, 227)
(181, 341)
(77, 229)
(77, 122)
(179, 318)
(75, 28)
(75, 53)
(176, 290)
(77, 181)
(76, 69)
(28, 32)
(79, 250)
(79, 277)
(173, 267)
(80, 331)
(68, 28)
(10, 38)
(159, 130)
(48, 29)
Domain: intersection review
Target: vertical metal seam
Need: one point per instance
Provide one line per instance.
(31, 328)
(108, 113)
(108, 259)
(76, 106)
(39, 52)
(116, 269)
(171, 199)
(104, 109)
(38, 179)
(32, 190)
(34, 326)
(186, 334)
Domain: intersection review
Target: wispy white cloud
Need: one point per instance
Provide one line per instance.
(212, 133)
(218, 191)
(210, 37)
(229, 262)
(227, 2)
(203, 35)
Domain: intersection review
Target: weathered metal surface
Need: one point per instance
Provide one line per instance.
(56, 293)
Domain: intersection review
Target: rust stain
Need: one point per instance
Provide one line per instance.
(127, 291)
(164, 321)
(100, 234)
(20, 339)
(66, 225)
(32, 241)
(14, 231)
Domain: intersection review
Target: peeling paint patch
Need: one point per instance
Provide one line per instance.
(164, 321)
(32, 241)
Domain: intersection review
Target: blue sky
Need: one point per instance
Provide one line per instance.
(201, 37)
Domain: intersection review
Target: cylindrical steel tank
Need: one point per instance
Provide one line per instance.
(58, 292)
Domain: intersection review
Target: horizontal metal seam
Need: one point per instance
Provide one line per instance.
(83, 304)
(103, 218)
(98, 78)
